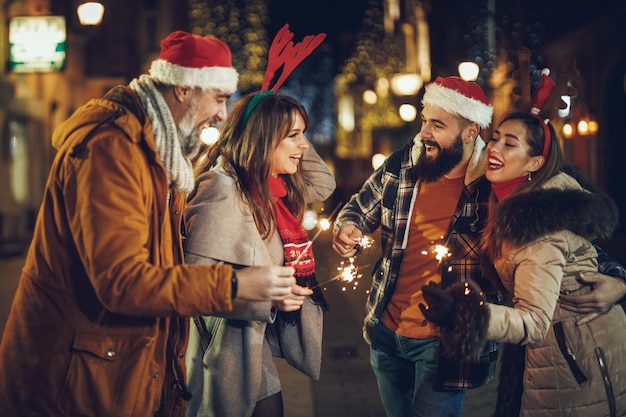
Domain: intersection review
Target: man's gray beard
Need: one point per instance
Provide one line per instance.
(430, 170)
(188, 134)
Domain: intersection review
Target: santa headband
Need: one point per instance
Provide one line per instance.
(546, 86)
(461, 98)
(195, 61)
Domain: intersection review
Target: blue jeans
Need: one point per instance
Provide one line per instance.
(405, 369)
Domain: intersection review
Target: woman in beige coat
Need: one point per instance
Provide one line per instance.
(250, 194)
(539, 237)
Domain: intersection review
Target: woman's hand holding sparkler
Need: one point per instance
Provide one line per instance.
(294, 300)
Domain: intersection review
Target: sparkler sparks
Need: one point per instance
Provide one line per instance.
(440, 251)
(347, 272)
(365, 242)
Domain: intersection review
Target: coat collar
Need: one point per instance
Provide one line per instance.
(560, 204)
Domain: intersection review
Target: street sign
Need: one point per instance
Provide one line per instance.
(37, 43)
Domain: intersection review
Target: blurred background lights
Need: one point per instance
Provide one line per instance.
(568, 130)
(370, 97)
(309, 220)
(406, 84)
(377, 160)
(90, 13)
(407, 112)
(468, 70)
(209, 135)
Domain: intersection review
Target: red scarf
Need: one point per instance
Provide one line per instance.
(297, 246)
(503, 189)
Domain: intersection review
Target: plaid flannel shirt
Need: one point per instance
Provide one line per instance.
(385, 201)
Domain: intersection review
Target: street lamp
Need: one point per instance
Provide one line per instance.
(406, 84)
(90, 13)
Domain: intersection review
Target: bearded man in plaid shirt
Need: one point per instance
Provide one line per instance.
(431, 192)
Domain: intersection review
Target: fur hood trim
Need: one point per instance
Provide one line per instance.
(524, 217)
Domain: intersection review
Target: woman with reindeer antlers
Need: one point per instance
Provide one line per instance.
(251, 191)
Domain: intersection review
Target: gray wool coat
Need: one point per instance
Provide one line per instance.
(229, 357)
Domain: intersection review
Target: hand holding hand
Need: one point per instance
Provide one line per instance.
(440, 309)
(346, 239)
(265, 283)
(294, 300)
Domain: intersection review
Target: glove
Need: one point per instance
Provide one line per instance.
(440, 309)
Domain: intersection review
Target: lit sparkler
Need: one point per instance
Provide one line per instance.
(365, 242)
(440, 251)
(347, 272)
(323, 224)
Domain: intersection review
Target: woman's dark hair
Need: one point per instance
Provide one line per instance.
(246, 154)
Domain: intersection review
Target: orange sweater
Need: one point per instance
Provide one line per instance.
(430, 219)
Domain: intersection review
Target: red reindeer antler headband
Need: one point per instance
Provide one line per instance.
(283, 53)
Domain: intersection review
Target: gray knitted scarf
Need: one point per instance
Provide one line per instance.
(168, 144)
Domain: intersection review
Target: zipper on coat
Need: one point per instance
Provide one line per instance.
(183, 389)
(569, 356)
(608, 386)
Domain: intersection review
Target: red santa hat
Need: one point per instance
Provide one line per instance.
(461, 98)
(195, 61)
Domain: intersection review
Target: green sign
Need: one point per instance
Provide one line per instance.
(37, 43)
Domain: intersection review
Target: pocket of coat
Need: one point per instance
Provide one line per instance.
(568, 354)
(214, 328)
(101, 368)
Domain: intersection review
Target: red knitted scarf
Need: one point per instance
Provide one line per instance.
(298, 248)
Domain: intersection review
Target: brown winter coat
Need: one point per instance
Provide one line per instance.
(93, 329)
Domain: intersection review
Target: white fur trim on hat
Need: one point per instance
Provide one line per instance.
(458, 104)
(223, 78)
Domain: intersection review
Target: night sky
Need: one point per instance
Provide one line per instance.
(339, 19)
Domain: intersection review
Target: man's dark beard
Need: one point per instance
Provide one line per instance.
(430, 170)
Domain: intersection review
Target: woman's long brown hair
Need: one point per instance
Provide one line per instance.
(246, 154)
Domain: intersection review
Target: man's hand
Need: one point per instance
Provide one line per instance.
(346, 239)
(265, 283)
(605, 292)
(440, 309)
(294, 300)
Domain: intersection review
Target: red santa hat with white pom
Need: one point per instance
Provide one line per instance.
(195, 61)
(459, 97)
